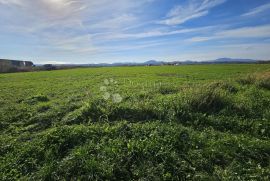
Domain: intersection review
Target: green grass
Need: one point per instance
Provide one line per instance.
(194, 122)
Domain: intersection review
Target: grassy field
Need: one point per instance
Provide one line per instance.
(192, 122)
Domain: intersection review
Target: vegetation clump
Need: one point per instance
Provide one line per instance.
(209, 100)
(36, 99)
(264, 80)
(165, 89)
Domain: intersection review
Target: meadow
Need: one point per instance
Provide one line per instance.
(190, 122)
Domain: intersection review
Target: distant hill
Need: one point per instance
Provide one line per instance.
(150, 62)
(221, 61)
(20, 66)
(158, 63)
(153, 62)
(229, 60)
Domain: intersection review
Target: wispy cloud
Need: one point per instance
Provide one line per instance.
(56, 21)
(245, 32)
(136, 46)
(10, 2)
(258, 51)
(193, 9)
(149, 34)
(67, 25)
(258, 10)
(116, 22)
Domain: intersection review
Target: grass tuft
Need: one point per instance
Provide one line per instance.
(209, 100)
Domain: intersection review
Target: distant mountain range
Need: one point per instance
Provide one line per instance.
(157, 63)
(231, 60)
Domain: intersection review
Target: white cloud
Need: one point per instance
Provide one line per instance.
(149, 34)
(121, 48)
(258, 10)
(80, 44)
(193, 9)
(11, 2)
(67, 25)
(251, 50)
(245, 32)
(258, 51)
(115, 22)
(200, 39)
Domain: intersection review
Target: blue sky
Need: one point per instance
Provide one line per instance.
(94, 31)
